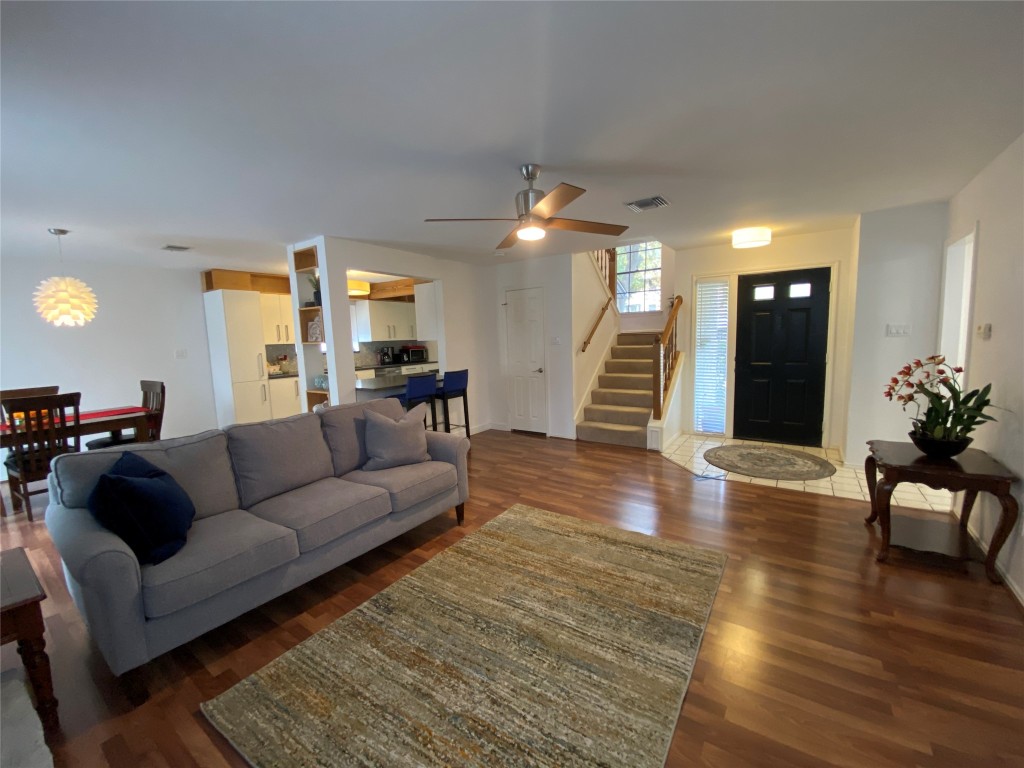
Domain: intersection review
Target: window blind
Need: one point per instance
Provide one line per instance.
(711, 338)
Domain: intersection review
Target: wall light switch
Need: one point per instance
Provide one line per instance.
(894, 330)
(180, 354)
(985, 331)
(556, 341)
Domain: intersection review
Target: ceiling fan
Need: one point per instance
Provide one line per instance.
(536, 212)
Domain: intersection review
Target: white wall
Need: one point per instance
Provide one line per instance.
(834, 248)
(589, 294)
(994, 200)
(145, 315)
(554, 275)
(899, 281)
(469, 319)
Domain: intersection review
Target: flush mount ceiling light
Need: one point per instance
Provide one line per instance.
(358, 288)
(751, 237)
(64, 300)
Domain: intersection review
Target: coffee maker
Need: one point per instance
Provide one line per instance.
(387, 355)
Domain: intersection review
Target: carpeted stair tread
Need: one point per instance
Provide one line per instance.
(617, 414)
(626, 380)
(626, 352)
(628, 365)
(637, 339)
(613, 396)
(614, 434)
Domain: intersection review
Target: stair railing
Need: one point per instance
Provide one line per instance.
(665, 354)
(593, 329)
(605, 262)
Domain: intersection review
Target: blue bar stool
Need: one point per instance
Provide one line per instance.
(455, 384)
(420, 388)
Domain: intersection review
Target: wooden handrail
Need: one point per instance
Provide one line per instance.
(597, 322)
(665, 355)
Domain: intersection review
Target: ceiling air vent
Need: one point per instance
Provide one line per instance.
(647, 204)
(176, 248)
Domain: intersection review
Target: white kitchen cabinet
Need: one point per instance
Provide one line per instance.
(278, 318)
(385, 321)
(234, 331)
(251, 402)
(285, 397)
(428, 311)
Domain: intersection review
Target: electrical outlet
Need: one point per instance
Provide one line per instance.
(985, 331)
(896, 330)
(180, 354)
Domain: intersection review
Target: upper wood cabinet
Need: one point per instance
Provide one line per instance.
(277, 314)
(385, 321)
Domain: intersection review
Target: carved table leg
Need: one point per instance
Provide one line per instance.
(37, 664)
(881, 496)
(870, 472)
(965, 512)
(1006, 522)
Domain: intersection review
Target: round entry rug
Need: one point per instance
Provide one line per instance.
(769, 462)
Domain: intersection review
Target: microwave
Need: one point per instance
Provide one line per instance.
(417, 355)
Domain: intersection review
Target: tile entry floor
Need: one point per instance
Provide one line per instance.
(848, 482)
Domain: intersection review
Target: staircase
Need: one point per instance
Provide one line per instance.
(621, 404)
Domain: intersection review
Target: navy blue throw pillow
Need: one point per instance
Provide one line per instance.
(143, 505)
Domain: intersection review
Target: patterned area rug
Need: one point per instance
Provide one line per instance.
(538, 640)
(769, 462)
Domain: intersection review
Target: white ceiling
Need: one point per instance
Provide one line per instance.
(236, 127)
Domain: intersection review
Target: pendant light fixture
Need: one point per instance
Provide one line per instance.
(64, 300)
(358, 288)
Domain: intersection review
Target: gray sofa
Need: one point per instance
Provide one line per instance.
(277, 504)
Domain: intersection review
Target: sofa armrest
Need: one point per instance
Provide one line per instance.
(105, 582)
(443, 446)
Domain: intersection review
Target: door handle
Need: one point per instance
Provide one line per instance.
(278, 327)
(263, 388)
(260, 365)
(296, 387)
(539, 370)
(286, 333)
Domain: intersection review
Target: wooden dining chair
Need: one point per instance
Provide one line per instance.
(44, 427)
(7, 394)
(154, 396)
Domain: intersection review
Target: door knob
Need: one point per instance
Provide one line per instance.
(539, 370)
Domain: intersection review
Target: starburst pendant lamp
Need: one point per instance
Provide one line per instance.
(64, 300)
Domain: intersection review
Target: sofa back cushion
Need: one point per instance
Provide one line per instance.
(273, 457)
(345, 429)
(199, 463)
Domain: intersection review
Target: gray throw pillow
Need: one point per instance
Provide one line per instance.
(391, 443)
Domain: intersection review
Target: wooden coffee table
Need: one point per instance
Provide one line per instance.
(972, 471)
(21, 619)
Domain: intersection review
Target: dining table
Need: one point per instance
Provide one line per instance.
(98, 422)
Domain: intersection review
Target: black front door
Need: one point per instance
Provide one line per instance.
(781, 341)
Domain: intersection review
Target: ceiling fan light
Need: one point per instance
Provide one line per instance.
(358, 288)
(751, 237)
(530, 232)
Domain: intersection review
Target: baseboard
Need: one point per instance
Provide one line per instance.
(1015, 589)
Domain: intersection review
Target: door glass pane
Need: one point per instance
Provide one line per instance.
(764, 292)
(799, 290)
(711, 342)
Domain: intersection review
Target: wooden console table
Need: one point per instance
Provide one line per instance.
(972, 471)
(22, 620)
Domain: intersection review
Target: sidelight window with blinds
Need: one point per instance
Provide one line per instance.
(711, 341)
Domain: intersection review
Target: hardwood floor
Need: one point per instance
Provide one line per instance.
(814, 655)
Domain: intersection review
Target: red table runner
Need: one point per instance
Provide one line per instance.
(101, 414)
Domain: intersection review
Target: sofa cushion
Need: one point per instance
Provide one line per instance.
(222, 551)
(325, 510)
(344, 426)
(144, 506)
(272, 457)
(410, 484)
(199, 463)
(396, 442)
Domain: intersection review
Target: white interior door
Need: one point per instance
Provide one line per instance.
(527, 385)
(955, 319)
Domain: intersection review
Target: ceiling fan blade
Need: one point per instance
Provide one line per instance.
(556, 200)
(509, 241)
(593, 227)
(471, 219)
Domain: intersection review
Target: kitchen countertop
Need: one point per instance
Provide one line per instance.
(393, 365)
(282, 375)
(391, 381)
